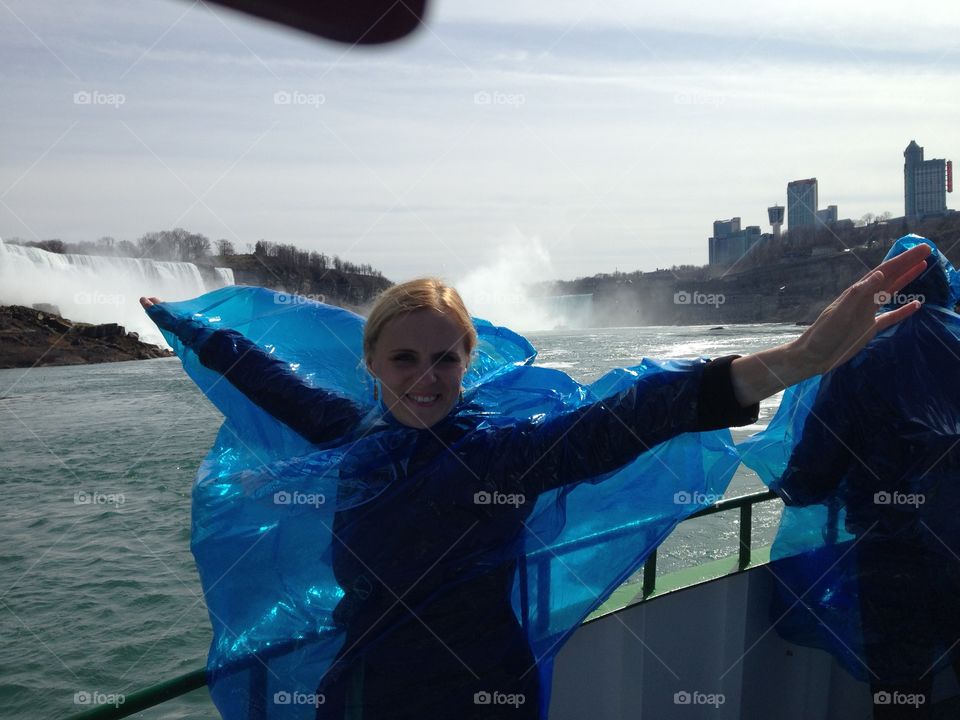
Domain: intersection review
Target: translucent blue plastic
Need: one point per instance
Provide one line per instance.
(491, 530)
(867, 460)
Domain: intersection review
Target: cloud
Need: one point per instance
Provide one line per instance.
(616, 140)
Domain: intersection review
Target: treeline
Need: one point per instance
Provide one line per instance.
(292, 256)
(180, 245)
(176, 245)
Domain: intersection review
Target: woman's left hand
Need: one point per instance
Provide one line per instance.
(839, 333)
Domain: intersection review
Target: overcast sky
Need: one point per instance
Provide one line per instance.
(595, 136)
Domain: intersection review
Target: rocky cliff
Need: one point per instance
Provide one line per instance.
(39, 338)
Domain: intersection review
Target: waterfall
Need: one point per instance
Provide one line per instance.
(225, 275)
(570, 311)
(99, 289)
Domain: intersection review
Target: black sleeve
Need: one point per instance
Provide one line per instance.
(717, 407)
(317, 414)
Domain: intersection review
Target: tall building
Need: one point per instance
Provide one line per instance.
(801, 203)
(924, 183)
(729, 243)
(775, 216)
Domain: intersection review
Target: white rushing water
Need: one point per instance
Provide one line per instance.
(99, 289)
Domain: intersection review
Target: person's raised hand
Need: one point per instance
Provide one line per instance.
(148, 301)
(850, 321)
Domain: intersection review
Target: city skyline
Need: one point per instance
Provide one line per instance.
(587, 142)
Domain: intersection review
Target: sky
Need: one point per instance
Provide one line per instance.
(570, 138)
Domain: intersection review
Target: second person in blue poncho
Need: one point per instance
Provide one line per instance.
(878, 451)
(425, 569)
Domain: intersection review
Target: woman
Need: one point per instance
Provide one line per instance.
(419, 591)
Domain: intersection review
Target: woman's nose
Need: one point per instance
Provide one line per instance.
(430, 373)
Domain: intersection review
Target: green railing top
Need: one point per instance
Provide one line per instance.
(175, 687)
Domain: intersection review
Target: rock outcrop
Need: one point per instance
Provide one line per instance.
(35, 338)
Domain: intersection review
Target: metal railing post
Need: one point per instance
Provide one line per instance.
(746, 523)
(650, 574)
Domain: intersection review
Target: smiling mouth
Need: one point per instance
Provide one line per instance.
(423, 401)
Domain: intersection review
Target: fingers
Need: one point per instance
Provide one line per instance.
(894, 316)
(148, 301)
(908, 276)
(902, 263)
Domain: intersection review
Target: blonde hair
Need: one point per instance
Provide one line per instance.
(419, 294)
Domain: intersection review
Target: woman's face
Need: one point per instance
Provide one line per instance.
(420, 359)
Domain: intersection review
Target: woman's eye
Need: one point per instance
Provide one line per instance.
(403, 358)
(450, 358)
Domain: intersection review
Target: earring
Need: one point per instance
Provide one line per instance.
(376, 393)
(461, 394)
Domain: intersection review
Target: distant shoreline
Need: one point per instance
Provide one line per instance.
(42, 338)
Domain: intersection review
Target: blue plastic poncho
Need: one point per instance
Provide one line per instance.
(867, 460)
(349, 562)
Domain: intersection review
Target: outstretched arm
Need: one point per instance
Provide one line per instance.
(678, 397)
(316, 414)
(605, 436)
